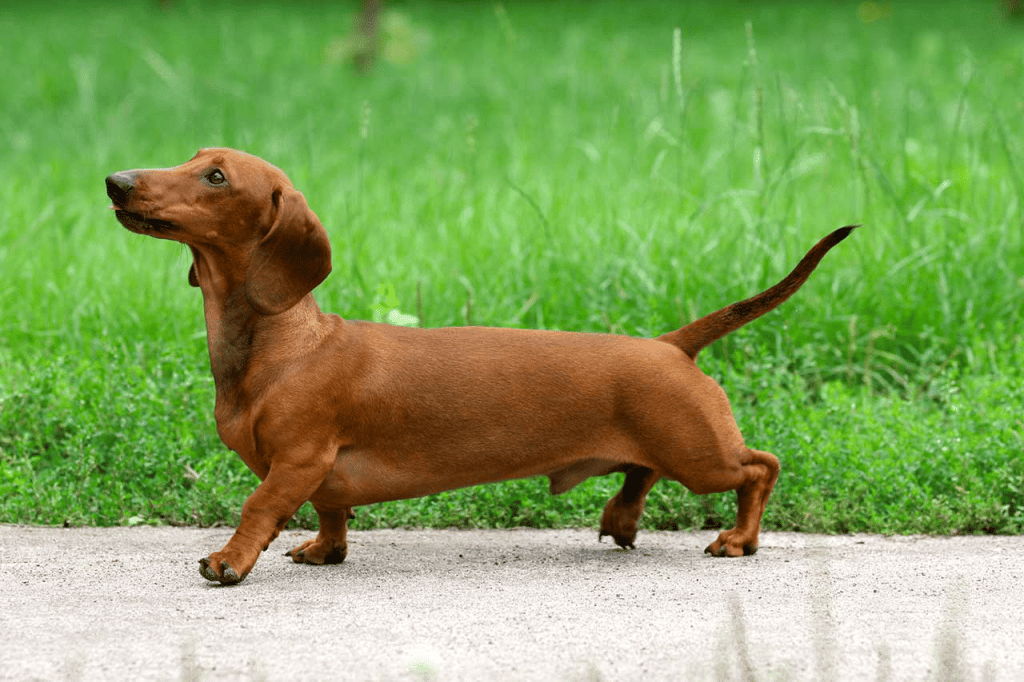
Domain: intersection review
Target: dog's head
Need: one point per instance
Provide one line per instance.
(244, 221)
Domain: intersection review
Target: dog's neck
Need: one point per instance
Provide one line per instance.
(239, 340)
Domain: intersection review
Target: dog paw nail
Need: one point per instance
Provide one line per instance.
(206, 571)
(230, 576)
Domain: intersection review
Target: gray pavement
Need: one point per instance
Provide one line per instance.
(129, 603)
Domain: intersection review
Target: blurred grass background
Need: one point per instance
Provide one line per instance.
(561, 165)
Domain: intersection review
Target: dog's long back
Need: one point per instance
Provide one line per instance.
(708, 329)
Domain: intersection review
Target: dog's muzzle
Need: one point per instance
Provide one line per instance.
(120, 187)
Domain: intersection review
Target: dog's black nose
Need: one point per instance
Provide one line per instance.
(120, 186)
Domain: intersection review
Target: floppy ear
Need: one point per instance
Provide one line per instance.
(291, 259)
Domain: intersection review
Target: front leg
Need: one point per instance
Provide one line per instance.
(330, 545)
(623, 511)
(264, 515)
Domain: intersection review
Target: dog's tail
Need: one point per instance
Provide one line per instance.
(708, 329)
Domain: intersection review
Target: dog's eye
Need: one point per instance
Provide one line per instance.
(216, 177)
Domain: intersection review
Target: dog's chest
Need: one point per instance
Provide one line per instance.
(235, 429)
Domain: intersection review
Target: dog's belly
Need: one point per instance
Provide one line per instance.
(363, 477)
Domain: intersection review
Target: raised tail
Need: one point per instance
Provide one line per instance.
(708, 329)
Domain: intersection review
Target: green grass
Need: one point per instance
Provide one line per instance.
(539, 165)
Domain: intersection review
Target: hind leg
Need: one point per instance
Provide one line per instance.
(754, 480)
(623, 511)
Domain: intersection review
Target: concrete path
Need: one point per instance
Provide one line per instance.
(129, 603)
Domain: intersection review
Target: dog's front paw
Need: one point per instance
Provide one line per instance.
(319, 552)
(623, 540)
(619, 522)
(217, 571)
(729, 544)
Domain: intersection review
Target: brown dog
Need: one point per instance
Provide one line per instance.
(348, 413)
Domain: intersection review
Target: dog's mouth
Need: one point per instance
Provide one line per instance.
(139, 224)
